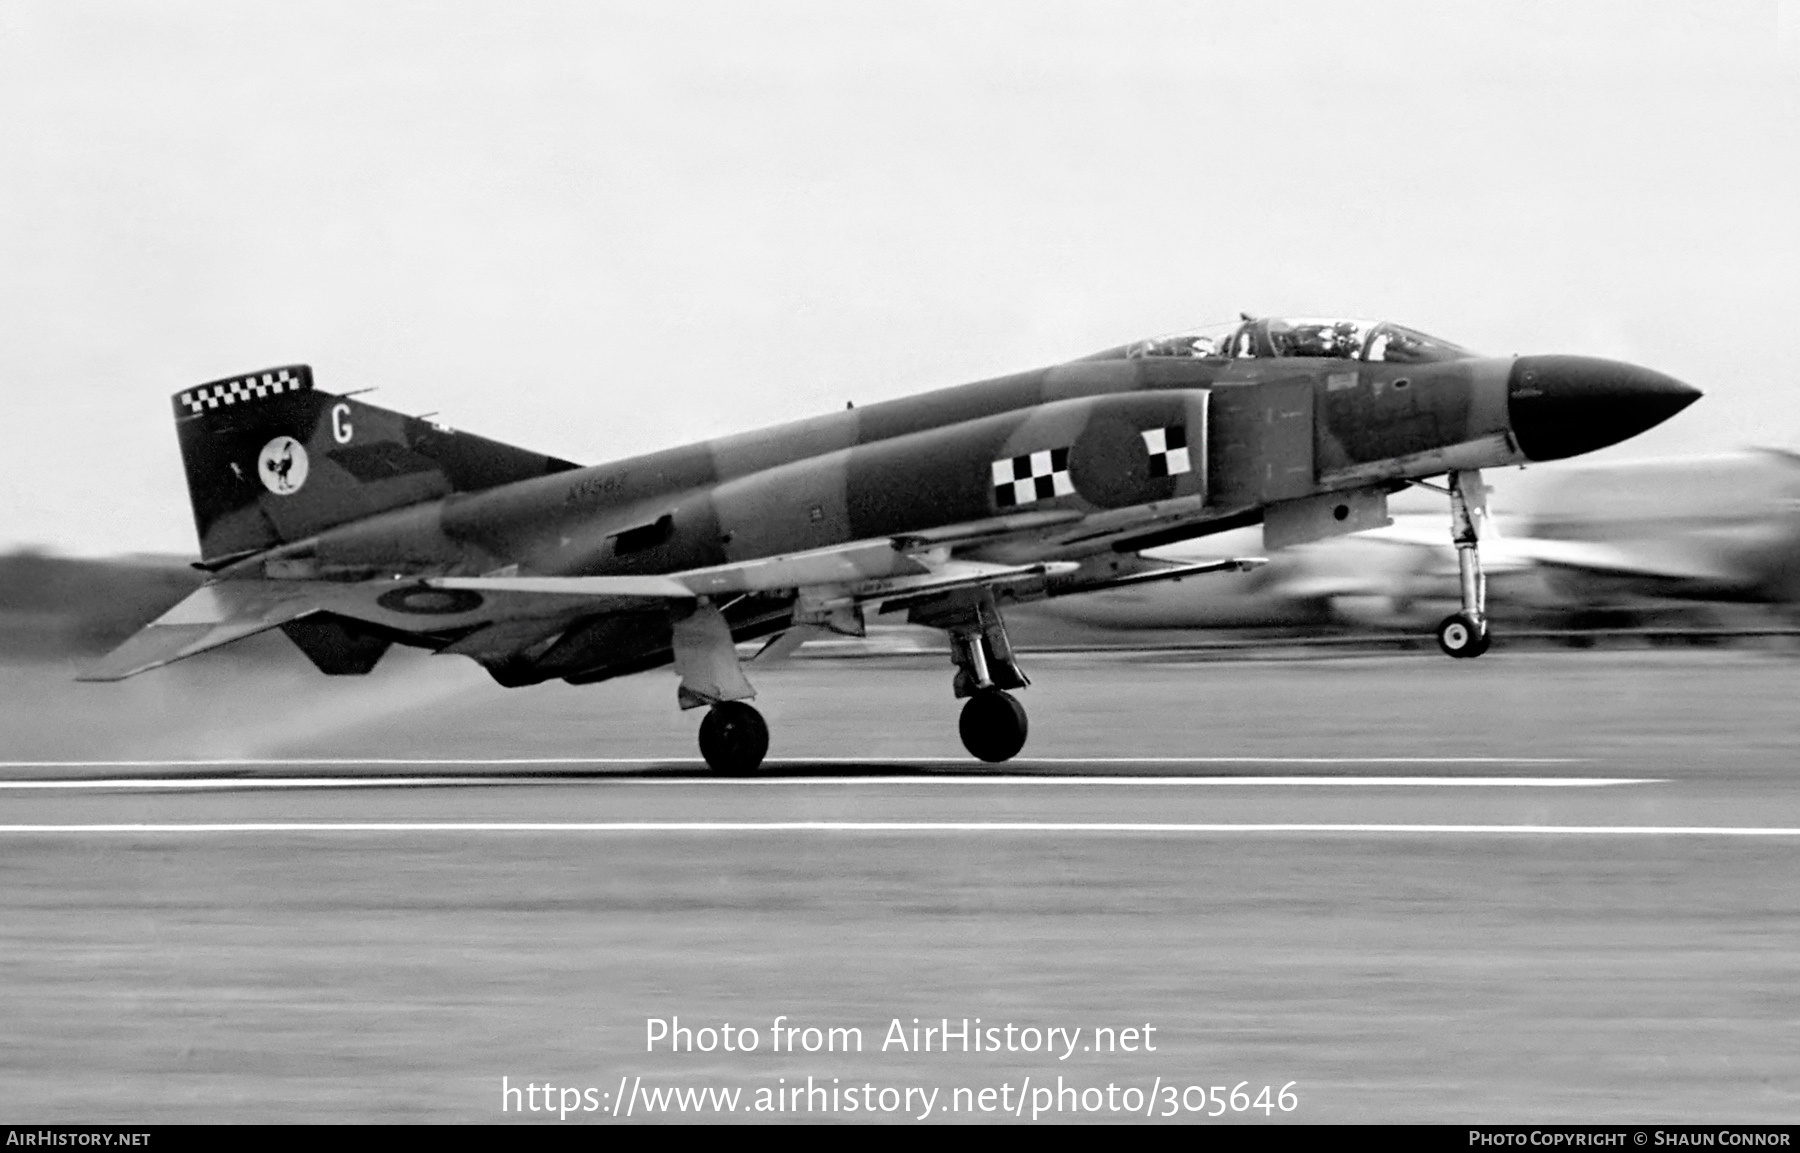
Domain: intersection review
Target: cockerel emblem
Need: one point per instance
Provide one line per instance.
(282, 466)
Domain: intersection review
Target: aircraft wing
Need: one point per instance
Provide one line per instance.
(519, 607)
(859, 572)
(889, 571)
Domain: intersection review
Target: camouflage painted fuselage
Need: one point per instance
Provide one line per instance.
(1118, 452)
(1258, 433)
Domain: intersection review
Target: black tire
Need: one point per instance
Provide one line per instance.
(734, 738)
(993, 726)
(1463, 637)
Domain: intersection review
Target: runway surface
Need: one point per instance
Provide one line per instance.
(1072, 797)
(1551, 887)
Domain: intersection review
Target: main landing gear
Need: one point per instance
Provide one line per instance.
(993, 724)
(734, 738)
(1465, 634)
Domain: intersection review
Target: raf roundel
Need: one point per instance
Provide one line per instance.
(282, 466)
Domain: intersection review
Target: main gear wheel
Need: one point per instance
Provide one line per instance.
(734, 738)
(993, 725)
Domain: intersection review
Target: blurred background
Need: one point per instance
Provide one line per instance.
(600, 229)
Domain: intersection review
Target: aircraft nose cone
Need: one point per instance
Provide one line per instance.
(1567, 405)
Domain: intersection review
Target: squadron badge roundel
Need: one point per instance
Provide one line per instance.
(282, 466)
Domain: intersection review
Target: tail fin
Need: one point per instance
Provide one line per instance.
(271, 459)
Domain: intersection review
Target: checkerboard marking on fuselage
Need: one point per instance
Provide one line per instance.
(1035, 476)
(1168, 451)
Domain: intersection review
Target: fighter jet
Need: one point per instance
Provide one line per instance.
(353, 528)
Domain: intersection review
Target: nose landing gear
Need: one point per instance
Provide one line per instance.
(1461, 636)
(1465, 634)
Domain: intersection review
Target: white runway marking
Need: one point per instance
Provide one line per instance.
(201, 784)
(526, 762)
(288, 827)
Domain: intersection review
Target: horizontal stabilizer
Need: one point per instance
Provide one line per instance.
(215, 615)
(230, 610)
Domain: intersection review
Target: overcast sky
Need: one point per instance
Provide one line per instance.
(599, 229)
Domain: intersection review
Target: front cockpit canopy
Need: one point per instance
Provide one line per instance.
(1312, 337)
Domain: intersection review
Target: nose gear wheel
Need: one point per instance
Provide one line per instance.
(1462, 636)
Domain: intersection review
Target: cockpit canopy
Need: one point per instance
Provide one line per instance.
(1311, 336)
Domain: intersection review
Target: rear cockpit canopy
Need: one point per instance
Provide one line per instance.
(1311, 337)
